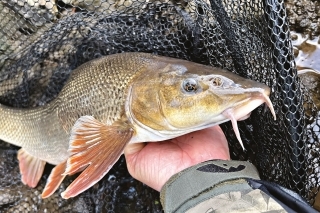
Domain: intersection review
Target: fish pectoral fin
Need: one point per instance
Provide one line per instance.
(54, 180)
(31, 168)
(94, 147)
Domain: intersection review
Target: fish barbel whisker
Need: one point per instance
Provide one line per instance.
(229, 113)
(269, 104)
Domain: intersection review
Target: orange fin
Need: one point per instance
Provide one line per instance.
(54, 180)
(31, 168)
(94, 147)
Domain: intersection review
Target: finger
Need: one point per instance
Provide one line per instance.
(131, 153)
(133, 148)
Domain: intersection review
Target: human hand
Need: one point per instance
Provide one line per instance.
(155, 162)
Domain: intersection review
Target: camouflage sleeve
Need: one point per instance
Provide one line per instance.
(227, 186)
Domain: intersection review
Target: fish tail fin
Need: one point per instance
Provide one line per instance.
(94, 148)
(54, 180)
(31, 168)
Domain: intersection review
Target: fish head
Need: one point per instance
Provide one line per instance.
(182, 97)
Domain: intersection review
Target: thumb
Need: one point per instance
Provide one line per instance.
(133, 148)
(131, 153)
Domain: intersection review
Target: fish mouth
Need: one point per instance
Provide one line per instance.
(244, 109)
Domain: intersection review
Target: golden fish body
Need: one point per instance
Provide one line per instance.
(118, 99)
(96, 88)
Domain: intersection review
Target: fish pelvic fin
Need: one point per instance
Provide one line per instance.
(94, 148)
(31, 168)
(54, 180)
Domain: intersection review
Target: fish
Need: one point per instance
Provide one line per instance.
(119, 99)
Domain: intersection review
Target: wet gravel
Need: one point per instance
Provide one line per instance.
(304, 16)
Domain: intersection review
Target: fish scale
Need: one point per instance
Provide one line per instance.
(32, 129)
(29, 129)
(103, 86)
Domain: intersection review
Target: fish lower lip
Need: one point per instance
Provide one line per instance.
(244, 117)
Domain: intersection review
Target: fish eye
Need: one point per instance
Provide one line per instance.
(190, 85)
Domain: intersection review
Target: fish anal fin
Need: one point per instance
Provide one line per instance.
(94, 148)
(31, 168)
(54, 180)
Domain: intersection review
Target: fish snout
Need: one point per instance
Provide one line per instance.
(256, 97)
(257, 93)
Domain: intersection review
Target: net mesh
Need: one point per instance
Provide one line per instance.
(42, 41)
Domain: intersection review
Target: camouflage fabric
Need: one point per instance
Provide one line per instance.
(227, 186)
(245, 201)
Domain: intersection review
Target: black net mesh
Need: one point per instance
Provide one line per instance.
(42, 41)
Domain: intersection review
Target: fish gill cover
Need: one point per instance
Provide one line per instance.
(42, 41)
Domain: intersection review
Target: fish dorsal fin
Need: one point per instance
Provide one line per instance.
(94, 147)
(31, 168)
(54, 180)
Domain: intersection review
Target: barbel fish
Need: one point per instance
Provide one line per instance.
(120, 99)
